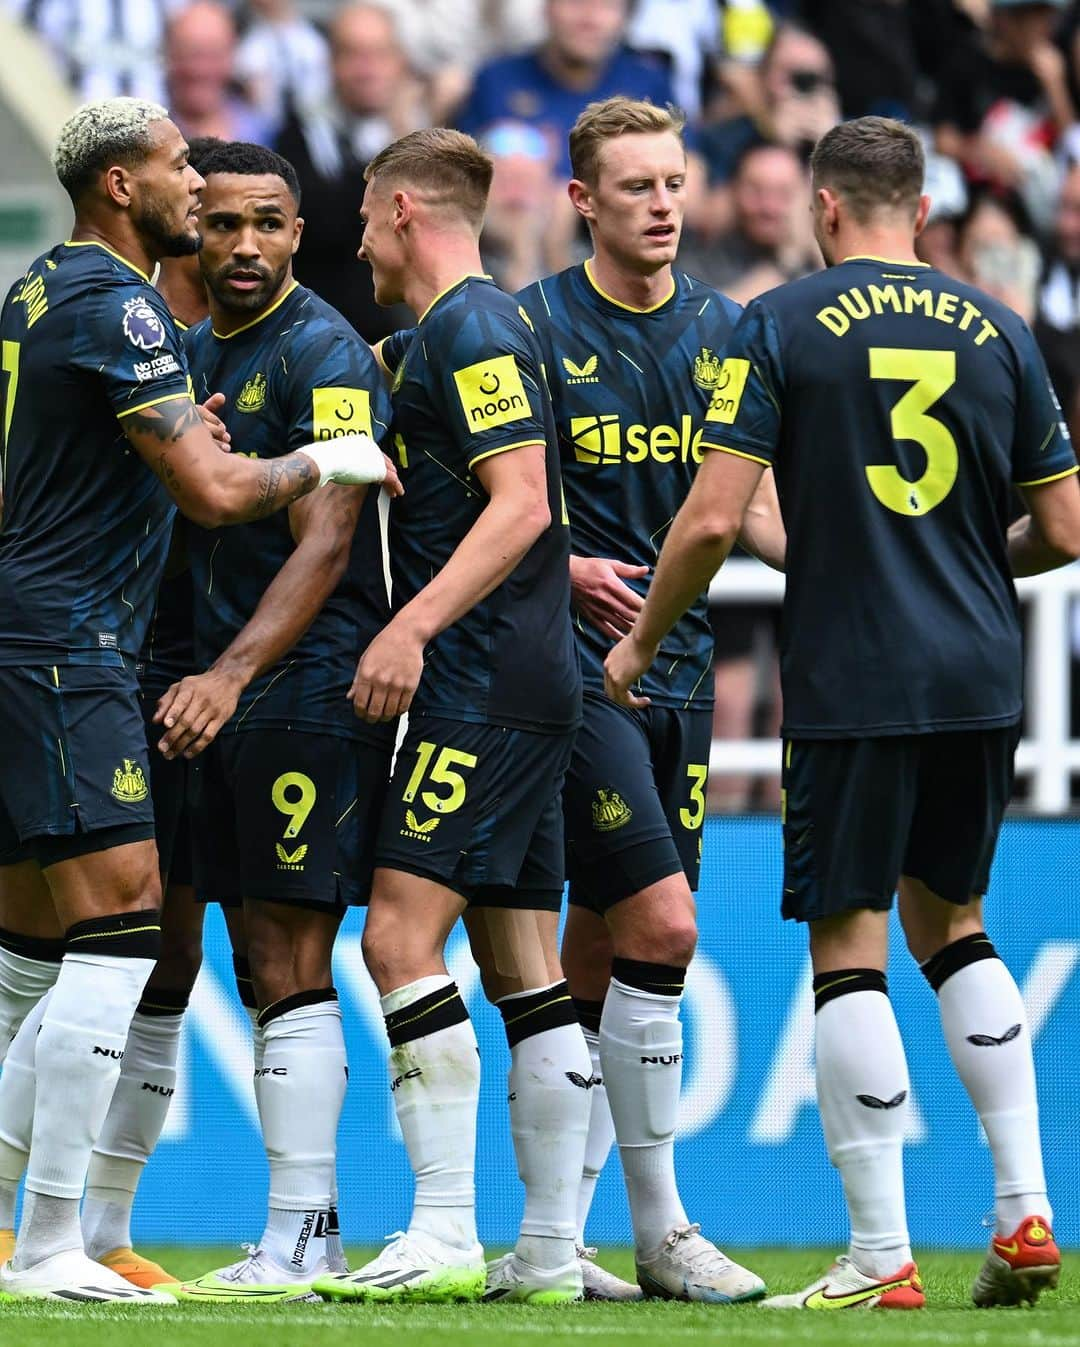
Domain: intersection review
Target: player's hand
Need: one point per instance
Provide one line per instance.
(208, 410)
(601, 597)
(392, 482)
(624, 666)
(388, 675)
(194, 710)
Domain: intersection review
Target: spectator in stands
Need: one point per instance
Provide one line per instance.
(770, 239)
(583, 58)
(685, 34)
(200, 73)
(520, 204)
(374, 99)
(997, 252)
(103, 48)
(1057, 325)
(1003, 101)
(283, 60)
(794, 104)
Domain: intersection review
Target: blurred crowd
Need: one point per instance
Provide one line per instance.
(994, 86)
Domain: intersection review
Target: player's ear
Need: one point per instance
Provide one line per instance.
(580, 195)
(828, 209)
(118, 185)
(298, 229)
(404, 210)
(922, 214)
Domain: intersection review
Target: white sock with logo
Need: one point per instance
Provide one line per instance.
(641, 1057)
(77, 1063)
(137, 1113)
(601, 1136)
(986, 1029)
(300, 1088)
(550, 1075)
(863, 1087)
(435, 1083)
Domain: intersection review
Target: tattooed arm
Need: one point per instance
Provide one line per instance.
(209, 486)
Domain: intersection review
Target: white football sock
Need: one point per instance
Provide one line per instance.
(23, 982)
(335, 1252)
(77, 1062)
(986, 1029)
(601, 1134)
(862, 1086)
(18, 1083)
(641, 1057)
(133, 1124)
(435, 1082)
(300, 1087)
(550, 1073)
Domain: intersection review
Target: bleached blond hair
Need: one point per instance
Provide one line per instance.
(105, 132)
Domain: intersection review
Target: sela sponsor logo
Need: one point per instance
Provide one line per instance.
(414, 1074)
(491, 393)
(129, 784)
(142, 324)
(728, 391)
(157, 368)
(610, 811)
(601, 440)
(581, 374)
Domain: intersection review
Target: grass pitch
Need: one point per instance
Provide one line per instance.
(950, 1317)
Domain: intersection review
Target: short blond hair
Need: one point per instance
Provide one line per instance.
(618, 116)
(448, 167)
(102, 133)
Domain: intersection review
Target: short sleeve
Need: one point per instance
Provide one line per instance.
(743, 417)
(491, 388)
(128, 338)
(335, 388)
(1042, 449)
(392, 348)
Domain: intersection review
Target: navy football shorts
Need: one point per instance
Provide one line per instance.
(477, 809)
(859, 813)
(286, 816)
(634, 800)
(169, 787)
(74, 774)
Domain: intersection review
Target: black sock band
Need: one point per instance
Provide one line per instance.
(33, 946)
(844, 981)
(276, 1009)
(950, 960)
(661, 979)
(440, 1009)
(124, 935)
(537, 1012)
(588, 1013)
(244, 985)
(160, 1002)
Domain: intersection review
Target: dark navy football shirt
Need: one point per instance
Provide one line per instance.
(898, 407)
(468, 385)
(296, 374)
(629, 388)
(86, 342)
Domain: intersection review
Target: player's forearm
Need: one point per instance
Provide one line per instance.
(483, 559)
(1031, 553)
(763, 533)
(247, 489)
(291, 603)
(692, 554)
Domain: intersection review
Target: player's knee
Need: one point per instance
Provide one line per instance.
(669, 938)
(395, 957)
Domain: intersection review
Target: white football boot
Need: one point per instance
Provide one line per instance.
(74, 1277)
(600, 1284)
(412, 1267)
(510, 1278)
(844, 1287)
(256, 1279)
(686, 1266)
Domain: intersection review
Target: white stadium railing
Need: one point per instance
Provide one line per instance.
(1046, 755)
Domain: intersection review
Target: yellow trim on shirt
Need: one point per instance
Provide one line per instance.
(95, 243)
(469, 276)
(889, 261)
(630, 308)
(504, 449)
(225, 336)
(169, 397)
(1056, 477)
(739, 453)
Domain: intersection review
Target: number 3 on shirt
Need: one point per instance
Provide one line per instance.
(931, 374)
(442, 774)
